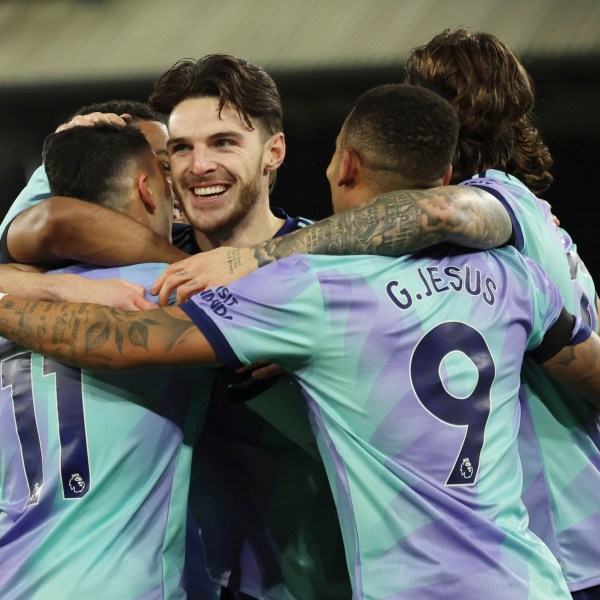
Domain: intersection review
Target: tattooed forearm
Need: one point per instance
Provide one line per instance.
(579, 366)
(400, 222)
(94, 336)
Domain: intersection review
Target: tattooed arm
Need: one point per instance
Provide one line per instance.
(579, 366)
(392, 224)
(98, 337)
(400, 222)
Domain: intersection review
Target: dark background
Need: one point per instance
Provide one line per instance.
(315, 105)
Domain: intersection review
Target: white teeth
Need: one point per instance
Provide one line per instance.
(209, 191)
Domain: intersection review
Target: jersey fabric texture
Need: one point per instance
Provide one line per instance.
(269, 526)
(560, 432)
(94, 473)
(411, 371)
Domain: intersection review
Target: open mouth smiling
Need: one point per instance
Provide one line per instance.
(209, 192)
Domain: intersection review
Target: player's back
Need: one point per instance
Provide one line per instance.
(94, 471)
(429, 463)
(559, 439)
(411, 368)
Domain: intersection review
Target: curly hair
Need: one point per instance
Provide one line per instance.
(493, 96)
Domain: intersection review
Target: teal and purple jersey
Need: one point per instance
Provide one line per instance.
(560, 432)
(411, 371)
(36, 190)
(94, 473)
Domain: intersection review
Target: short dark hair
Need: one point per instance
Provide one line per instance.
(402, 131)
(248, 88)
(493, 96)
(139, 111)
(91, 163)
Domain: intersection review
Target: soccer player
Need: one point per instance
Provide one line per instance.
(94, 468)
(493, 95)
(410, 368)
(225, 145)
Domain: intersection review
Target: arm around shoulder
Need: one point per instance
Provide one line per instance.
(61, 229)
(399, 222)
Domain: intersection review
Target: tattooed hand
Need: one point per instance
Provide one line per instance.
(196, 273)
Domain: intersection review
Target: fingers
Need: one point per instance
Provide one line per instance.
(188, 289)
(122, 294)
(175, 277)
(267, 372)
(94, 119)
(169, 286)
(160, 282)
(141, 303)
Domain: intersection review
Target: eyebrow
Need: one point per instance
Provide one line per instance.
(178, 140)
(215, 136)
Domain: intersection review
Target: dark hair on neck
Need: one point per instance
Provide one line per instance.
(402, 133)
(493, 96)
(139, 111)
(93, 163)
(249, 89)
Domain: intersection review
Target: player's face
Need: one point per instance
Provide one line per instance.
(157, 136)
(220, 167)
(162, 193)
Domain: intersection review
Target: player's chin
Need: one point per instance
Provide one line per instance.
(213, 223)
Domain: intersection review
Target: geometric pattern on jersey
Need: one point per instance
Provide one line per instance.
(269, 527)
(560, 432)
(411, 371)
(94, 473)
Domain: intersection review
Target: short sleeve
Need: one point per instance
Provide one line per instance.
(276, 314)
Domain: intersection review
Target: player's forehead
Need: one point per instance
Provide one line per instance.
(156, 134)
(200, 118)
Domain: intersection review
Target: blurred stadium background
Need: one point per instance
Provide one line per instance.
(57, 55)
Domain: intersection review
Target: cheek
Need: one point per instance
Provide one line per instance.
(177, 169)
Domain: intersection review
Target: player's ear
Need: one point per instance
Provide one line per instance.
(144, 191)
(448, 176)
(350, 169)
(274, 152)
